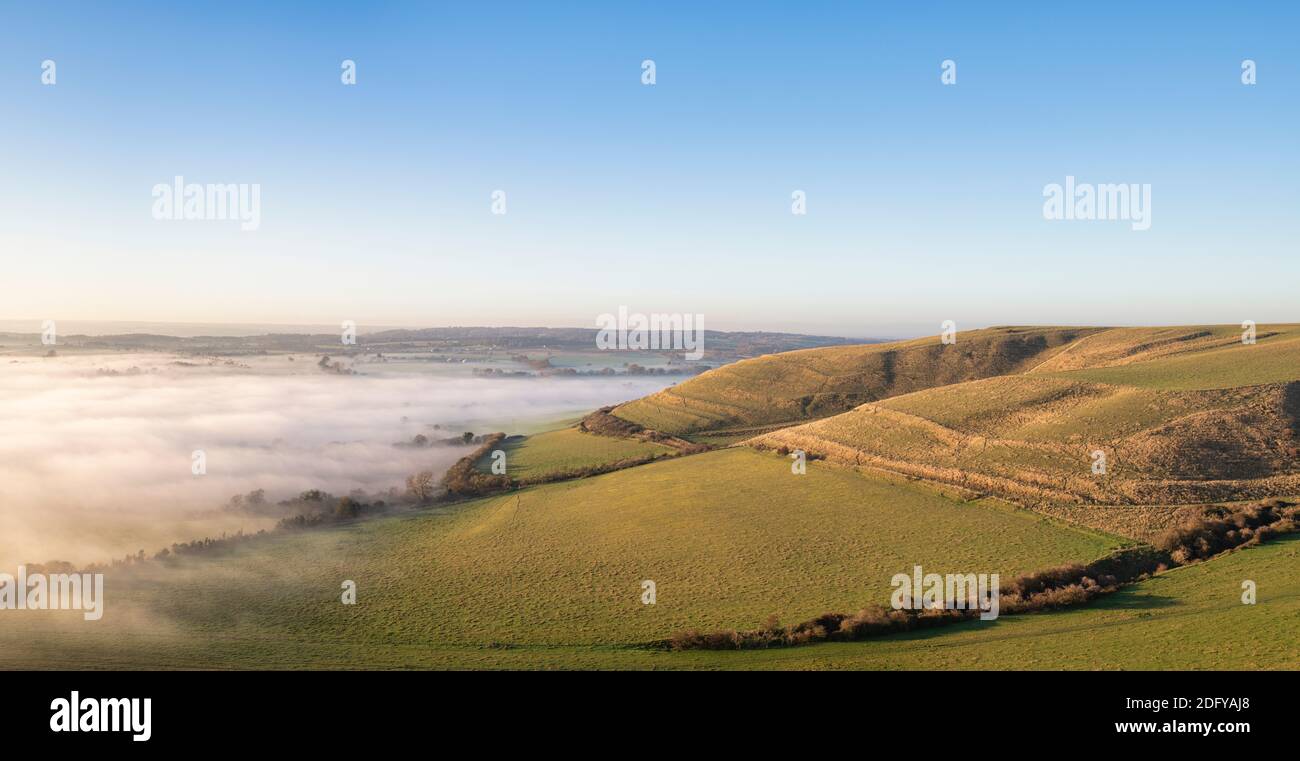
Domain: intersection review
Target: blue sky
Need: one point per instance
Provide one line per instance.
(924, 200)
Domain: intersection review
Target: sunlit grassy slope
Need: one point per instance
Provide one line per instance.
(1226, 364)
(803, 385)
(798, 386)
(1115, 347)
(1211, 421)
(569, 449)
(1190, 618)
(729, 538)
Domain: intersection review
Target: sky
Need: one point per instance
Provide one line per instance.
(924, 201)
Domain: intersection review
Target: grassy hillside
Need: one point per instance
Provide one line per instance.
(1118, 347)
(1190, 618)
(1216, 424)
(804, 385)
(568, 450)
(1274, 358)
(729, 537)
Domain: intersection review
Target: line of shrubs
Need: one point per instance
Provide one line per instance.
(1056, 587)
(785, 451)
(829, 627)
(1217, 529)
(1221, 528)
(603, 422)
(464, 479)
(1074, 583)
(218, 545)
(591, 470)
(315, 508)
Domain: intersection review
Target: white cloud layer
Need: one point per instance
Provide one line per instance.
(96, 465)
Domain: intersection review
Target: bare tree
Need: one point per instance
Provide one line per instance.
(420, 485)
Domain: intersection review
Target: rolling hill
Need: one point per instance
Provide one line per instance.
(932, 453)
(797, 386)
(1180, 416)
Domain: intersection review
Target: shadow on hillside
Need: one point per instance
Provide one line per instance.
(1291, 407)
(1120, 601)
(1133, 600)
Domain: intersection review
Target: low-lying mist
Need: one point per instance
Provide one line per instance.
(96, 451)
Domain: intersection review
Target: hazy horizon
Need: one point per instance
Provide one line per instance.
(183, 329)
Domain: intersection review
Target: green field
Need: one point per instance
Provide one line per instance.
(1189, 618)
(729, 537)
(569, 449)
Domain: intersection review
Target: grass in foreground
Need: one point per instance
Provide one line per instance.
(1190, 618)
(729, 537)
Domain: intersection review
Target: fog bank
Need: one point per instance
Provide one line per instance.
(96, 452)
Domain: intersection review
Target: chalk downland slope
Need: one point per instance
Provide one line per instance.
(1212, 424)
(797, 386)
(1217, 362)
(1118, 347)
